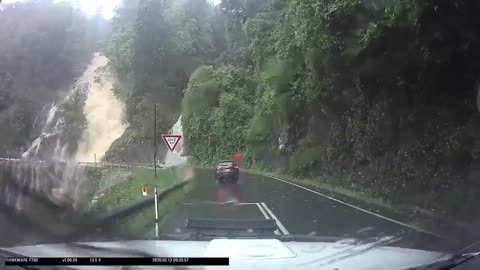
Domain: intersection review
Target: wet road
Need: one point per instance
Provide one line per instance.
(296, 210)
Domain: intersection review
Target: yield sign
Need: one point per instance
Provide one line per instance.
(171, 141)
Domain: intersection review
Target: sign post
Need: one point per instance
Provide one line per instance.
(144, 190)
(155, 139)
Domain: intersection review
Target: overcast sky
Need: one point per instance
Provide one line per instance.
(90, 6)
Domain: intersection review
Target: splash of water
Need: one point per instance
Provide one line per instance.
(50, 128)
(104, 112)
(25, 184)
(176, 157)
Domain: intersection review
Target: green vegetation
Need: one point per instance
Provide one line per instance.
(155, 47)
(131, 189)
(377, 94)
(123, 186)
(217, 113)
(117, 187)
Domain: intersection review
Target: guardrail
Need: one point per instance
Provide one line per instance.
(87, 164)
(123, 212)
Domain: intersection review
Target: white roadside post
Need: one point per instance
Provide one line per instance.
(156, 212)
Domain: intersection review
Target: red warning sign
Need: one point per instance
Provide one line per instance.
(171, 141)
(238, 158)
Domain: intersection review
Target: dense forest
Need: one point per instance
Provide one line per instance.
(372, 95)
(40, 57)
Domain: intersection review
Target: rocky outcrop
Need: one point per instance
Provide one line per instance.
(125, 150)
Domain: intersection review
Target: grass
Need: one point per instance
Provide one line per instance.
(331, 185)
(356, 194)
(131, 189)
(137, 225)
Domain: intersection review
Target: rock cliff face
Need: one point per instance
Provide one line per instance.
(50, 144)
(125, 150)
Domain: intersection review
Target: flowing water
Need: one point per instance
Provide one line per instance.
(105, 115)
(175, 158)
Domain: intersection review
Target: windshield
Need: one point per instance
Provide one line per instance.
(354, 124)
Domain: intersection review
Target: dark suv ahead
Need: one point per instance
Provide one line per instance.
(227, 169)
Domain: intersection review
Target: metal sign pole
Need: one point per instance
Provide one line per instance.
(155, 139)
(156, 212)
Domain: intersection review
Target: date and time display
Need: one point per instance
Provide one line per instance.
(195, 261)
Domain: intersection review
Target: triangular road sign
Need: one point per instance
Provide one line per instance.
(171, 141)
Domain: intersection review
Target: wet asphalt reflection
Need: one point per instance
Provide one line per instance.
(296, 211)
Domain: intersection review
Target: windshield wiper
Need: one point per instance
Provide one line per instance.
(205, 236)
(124, 251)
(447, 264)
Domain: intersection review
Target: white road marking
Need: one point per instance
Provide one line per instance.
(279, 224)
(263, 211)
(265, 215)
(247, 203)
(207, 202)
(358, 208)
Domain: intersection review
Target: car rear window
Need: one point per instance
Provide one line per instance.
(226, 163)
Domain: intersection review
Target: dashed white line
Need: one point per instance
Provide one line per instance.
(265, 215)
(279, 224)
(356, 207)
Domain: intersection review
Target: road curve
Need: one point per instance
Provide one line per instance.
(297, 210)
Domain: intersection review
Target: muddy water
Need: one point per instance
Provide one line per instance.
(105, 115)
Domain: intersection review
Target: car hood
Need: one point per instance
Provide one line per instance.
(252, 254)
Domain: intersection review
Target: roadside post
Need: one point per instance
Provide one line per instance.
(156, 212)
(95, 159)
(144, 190)
(155, 139)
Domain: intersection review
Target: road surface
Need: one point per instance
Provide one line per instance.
(297, 210)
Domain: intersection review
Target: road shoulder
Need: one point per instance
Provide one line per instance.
(412, 216)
